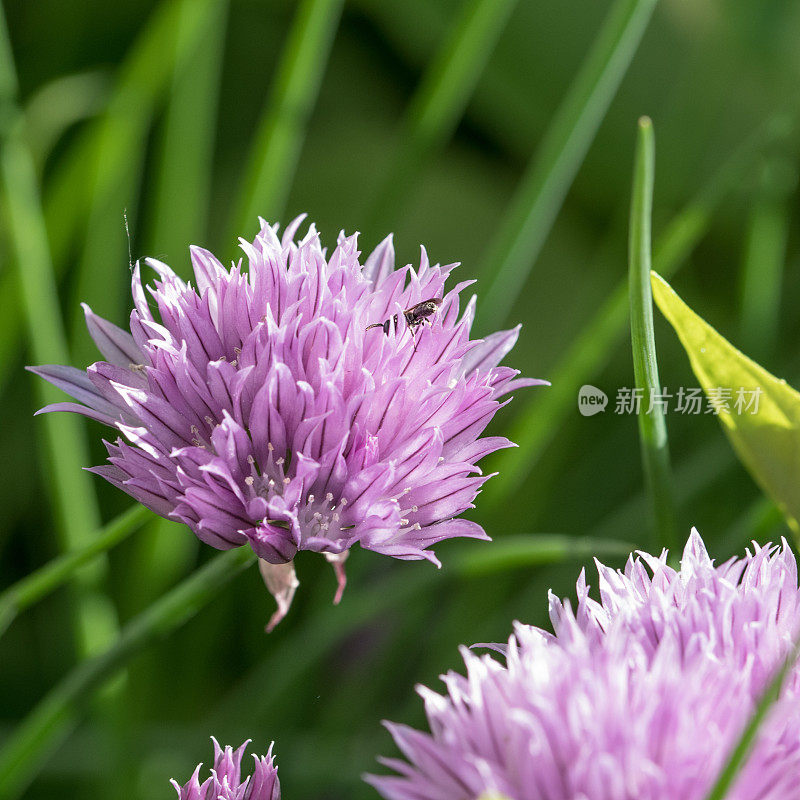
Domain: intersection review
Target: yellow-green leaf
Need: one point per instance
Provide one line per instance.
(765, 435)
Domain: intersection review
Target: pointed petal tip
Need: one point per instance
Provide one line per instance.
(281, 582)
(336, 560)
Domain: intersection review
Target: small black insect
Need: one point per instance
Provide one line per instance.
(416, 316)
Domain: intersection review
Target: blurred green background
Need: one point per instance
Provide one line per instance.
(169, 110)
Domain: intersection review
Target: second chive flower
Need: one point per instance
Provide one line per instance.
(225, 781)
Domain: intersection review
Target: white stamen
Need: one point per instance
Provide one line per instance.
(249, 480)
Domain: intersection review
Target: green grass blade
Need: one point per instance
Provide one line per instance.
(141, 83)
(145, 74)
(765, 254)
(535, 206)
(48, 724)
(652, 416)
(11, 324)
(281, 132)
(439, 102)
(539, 420)
(165, 551)
(708, 465)
(530, 550)
(746, 741)
(45, 580)
(177, 218)
(70, 487)
(103, 267)
(59, 105)
(330, 625)
(61, 222)
(185, 162)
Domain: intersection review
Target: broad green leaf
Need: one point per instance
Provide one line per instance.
(765, 435)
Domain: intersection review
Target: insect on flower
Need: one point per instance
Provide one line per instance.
(416, 316)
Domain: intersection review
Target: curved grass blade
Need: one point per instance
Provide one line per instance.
(439, 102)
(55, 107)
(59, 105)
(651, 417)
(540, 418)
(46, 726)
(281, 132)
(70, 487)
(49, 577)
(551, 171)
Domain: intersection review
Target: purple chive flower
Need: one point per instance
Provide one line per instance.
(641, 696)
(308, 403)
(225, 782)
